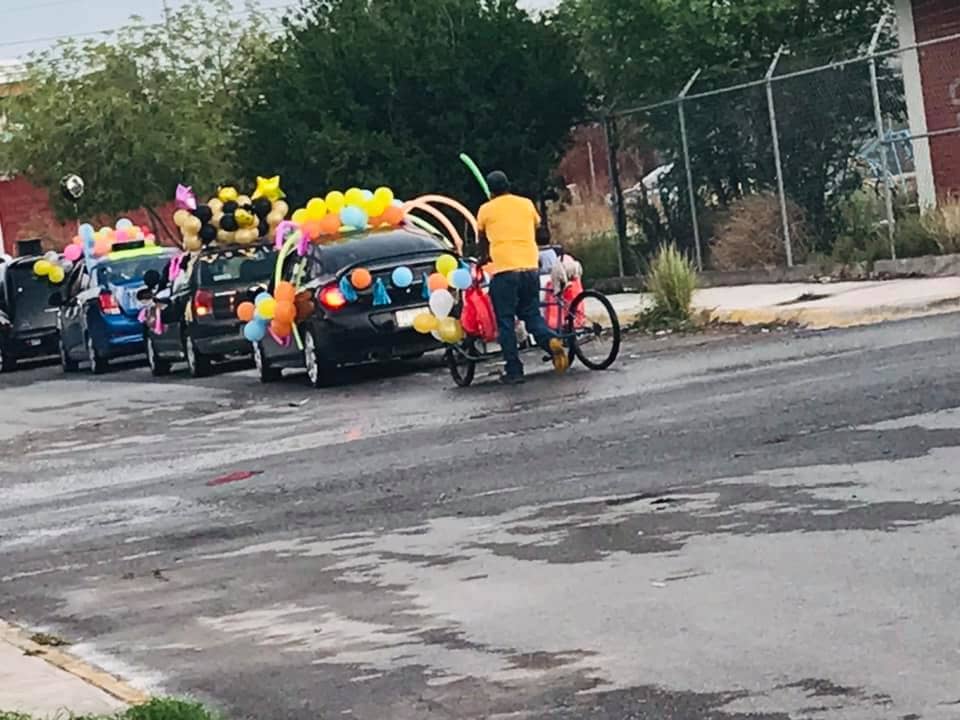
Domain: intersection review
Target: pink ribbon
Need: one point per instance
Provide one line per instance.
(282, 342)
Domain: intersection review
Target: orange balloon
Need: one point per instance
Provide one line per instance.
(285, 292)
(286, 312)
(330, 225)
(376, 222)
(361, 278)
(102, 247)
(393, 215)
(245, 311)
(437, 282)
(313, 228)
(281, 329)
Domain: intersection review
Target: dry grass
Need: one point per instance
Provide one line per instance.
(573, 223)
(752, 236)
(943, 224)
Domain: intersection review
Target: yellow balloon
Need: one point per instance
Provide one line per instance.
(316, 209)
(245, 218)
(267, 309)
(42, 267)
(56, 275)
(181, 216)
(354, 196)
(191, 243)
(228, 194)
(376, 207)
(335, 201)
(425, 323)
(450, 330)
(446, 264)
(384, 195)
(300, 216)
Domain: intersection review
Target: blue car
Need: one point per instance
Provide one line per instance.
(99, 313)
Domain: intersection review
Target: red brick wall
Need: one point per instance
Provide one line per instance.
(940, 71)
(25, 213)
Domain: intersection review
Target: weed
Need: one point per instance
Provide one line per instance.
(671, 281)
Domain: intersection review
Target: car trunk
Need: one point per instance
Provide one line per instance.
(126, 295)
(31, 300)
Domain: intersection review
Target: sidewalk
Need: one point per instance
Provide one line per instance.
(48, 684)
(813, 305)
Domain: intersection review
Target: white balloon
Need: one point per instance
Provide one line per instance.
(52, 257)
(441, 303)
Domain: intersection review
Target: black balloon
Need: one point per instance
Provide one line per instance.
(264, 228)
(229, 222)
(262, 207)
(208, 233)
(204, 213)
(229, 208)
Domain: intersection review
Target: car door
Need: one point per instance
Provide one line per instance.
(70, 316)
(178, 296)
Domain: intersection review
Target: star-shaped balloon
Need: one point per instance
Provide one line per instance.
(269, 188)
(186, 199)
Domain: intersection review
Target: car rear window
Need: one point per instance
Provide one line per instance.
(372, 247)
(31, 298)
(236, 266)
(122, 272)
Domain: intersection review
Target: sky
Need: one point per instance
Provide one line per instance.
(28, 24)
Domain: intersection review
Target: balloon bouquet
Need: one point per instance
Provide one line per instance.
(91, 244)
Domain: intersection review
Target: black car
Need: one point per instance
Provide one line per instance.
(198, 321)
(28, 326)
(340, 332)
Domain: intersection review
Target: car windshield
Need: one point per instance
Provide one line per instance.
(31, 296)
(254, 264)
(372, 247)
(130, 270)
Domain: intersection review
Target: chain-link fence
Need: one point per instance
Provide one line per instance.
(795, 160)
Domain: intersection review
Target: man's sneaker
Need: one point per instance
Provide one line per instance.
(512, 379)
(561, 362)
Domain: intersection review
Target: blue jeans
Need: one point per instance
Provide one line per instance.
(517, 295)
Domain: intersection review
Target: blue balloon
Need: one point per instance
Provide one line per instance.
(354, 217)
(402, 277)
(255, 331)
(124, 224)
(86, 233)
(367, 195)
(261, 297)
(461, 279)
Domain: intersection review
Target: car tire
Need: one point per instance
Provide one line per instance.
(98, 363)
(8, 363)
(267, 373)
(158, 366)
(66, 364)
(320, 372)
(198, 364)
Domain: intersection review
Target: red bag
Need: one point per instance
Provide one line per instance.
(477, 317)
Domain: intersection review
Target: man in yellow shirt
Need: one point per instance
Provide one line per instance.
(508, 228)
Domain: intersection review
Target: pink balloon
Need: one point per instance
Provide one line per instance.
(73, 253)
(121, 236)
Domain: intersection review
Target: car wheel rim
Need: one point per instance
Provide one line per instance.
(91, 354)
(151, 355)
(313, 369)
(191, 354)
(257, 357)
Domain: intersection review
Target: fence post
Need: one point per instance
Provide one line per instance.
(620, 213)
(882, 137)
(775, 135)
(686, 162)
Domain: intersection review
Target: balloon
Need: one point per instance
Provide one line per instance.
(285, 313)
(122, 236)
(450, 330)
(313, 228)
(384, 195)
(267, 309)
(245, 311)
(245, 218)
(330, 225)
(208, 233)
(86, 232)
(191, 243)
(376, 208)
(393, 215)
(402, 277)
(228, 194)
(247, 236)
(446, 264)
(460, 279)
(274, 219)
(305, 308)
(229, 223)
(216, 205)
(425, 323)
(244, 201)
(230, 207)
(101, 247)
(354, 196)
(354, 217)
(56, 275)
(73, 253)
(262, 207)
(300, 216)
(316, 209)
(441, 303)
(285, 292)
(254, 331)
(180, 217)
(262, 298)
(225, 237)
(204, 213)
(281, 207)
(361, 278)
(281, 329)
(268, 188)
(42, 268)
(335, 201)
(437, 282)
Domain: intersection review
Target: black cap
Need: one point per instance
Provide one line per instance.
(498, 182)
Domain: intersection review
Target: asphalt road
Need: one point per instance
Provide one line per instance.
(760, 526)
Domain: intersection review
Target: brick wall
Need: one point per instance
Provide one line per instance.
(940, 71)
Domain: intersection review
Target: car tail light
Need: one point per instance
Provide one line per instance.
(203, 303)
(331, 298)
(109, 304)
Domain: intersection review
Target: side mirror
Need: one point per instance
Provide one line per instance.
(145, 294)
(151, 279)
(56, 299)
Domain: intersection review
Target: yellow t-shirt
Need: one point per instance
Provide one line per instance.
(510, 224)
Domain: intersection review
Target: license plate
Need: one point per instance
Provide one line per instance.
(34, 342)
(405, 318)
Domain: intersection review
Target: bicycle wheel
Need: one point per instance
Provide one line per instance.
(595, 339)
(462, 370)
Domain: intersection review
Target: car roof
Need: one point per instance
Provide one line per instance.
(140, 252)
(373, 245)
(212, 250)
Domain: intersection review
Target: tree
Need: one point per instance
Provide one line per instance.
(136, 113)
(390, 92)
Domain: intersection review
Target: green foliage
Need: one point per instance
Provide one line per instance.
(136, 113)
(390, 91)
(671, 280)
(598, 255)
(155, 709)
(943, 224)
(863, 236)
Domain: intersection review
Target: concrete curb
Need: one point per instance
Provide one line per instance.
(91, 675)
